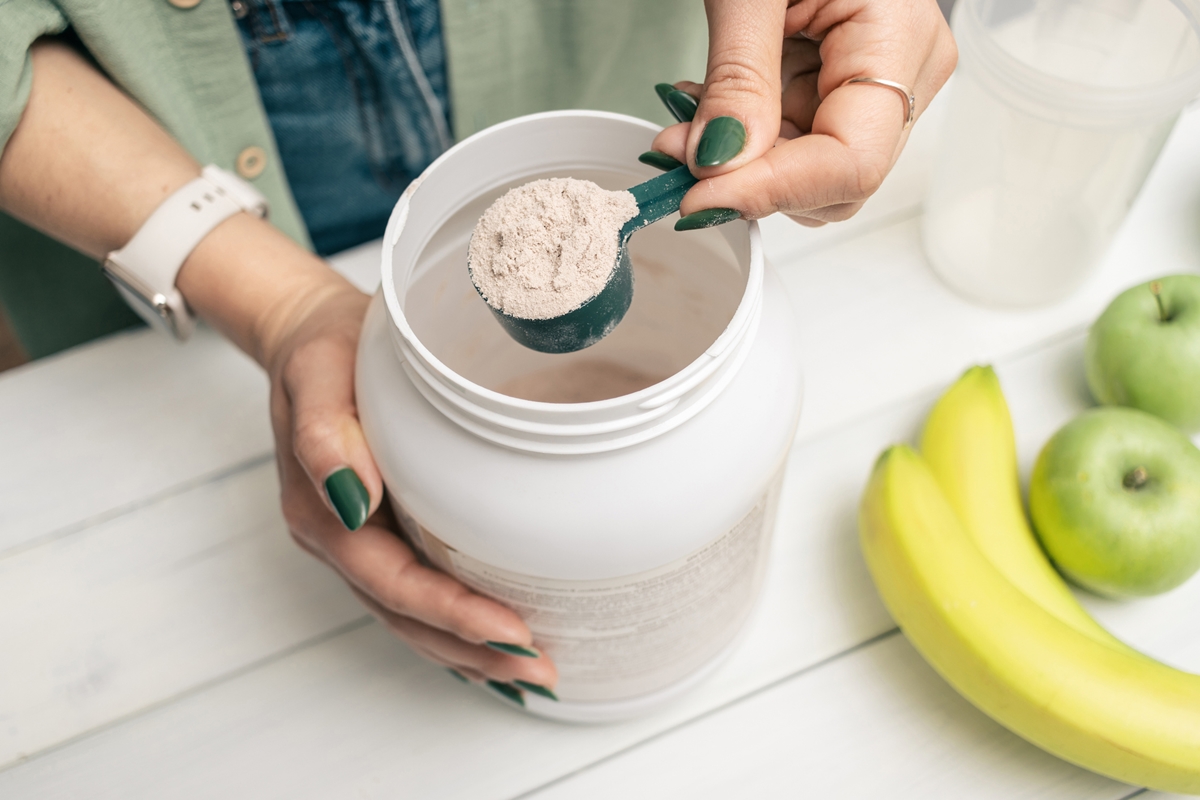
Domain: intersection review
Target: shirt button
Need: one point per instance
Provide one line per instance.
(184, 3)
(251, 162)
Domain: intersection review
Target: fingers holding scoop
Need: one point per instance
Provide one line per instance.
(836, 140)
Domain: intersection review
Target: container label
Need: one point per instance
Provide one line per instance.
(621, 638)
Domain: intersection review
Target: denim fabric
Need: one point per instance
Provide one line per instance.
(355, 91)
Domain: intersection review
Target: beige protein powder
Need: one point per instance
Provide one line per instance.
(547, 247)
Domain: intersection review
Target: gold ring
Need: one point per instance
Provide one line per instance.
(910, 99)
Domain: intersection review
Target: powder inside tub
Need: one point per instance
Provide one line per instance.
(545, 248)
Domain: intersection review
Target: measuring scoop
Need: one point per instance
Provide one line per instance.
(596, 317)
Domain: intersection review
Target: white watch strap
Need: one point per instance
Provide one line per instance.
(144, 270)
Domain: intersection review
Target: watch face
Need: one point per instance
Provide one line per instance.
(118, 274)
(154, 307)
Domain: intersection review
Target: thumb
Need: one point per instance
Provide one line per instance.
(738, 117)
(326, 436)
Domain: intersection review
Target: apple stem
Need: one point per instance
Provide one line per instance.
(1136, 478)
(1156, 290)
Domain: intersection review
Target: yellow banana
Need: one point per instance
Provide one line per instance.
(1109, 710)
(968, 443)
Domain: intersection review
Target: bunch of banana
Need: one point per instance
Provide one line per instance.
(957, 565)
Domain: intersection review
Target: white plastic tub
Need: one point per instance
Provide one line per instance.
(632, 532)
(1058, 110)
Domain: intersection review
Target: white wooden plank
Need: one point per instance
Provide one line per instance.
(358, 714)
(147, 425)
(879, 723)
(101, 624)
(99, 428)
(877, 325)
(103, 427)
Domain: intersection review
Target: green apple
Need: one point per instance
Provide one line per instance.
(1115, 500)
(1144, 351)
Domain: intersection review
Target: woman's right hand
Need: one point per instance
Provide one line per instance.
(779, 129)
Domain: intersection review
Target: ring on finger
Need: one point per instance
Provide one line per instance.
(910, 99)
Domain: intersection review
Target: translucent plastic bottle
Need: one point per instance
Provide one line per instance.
(621, 499)
(1059, 109)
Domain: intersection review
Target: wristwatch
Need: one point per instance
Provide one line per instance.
(144, 270)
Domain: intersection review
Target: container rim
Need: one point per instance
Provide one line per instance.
(614, 419)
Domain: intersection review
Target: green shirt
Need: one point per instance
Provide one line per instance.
(187, 67)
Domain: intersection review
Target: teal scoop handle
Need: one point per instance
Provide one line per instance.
(657, 198)
(594, 319)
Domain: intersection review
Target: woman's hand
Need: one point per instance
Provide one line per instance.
(795, 138)
(332, 494)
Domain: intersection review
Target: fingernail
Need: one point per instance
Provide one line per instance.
(681, 105)
(663, 89)
(723, 139)
(536, 689)
(659, 160)
(349, 497)
(708, 218)
(509, 692)
(514, 649)
(458, 675)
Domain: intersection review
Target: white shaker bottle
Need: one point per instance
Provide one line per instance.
(1058, 110)
(631, 532)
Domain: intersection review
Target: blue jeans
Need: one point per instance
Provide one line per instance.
(355, 91)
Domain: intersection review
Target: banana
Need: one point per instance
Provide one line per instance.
(1105, 708)
(968, 443)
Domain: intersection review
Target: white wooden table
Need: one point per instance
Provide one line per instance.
(161, 637)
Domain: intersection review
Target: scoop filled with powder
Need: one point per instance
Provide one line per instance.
(545, 248)
(551, 258)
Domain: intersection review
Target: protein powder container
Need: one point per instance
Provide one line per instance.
(621, 498)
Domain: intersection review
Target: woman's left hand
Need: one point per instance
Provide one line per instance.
(302, 322)
(332, 497)
(778, 129)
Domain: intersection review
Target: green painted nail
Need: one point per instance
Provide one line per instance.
(723, 139)
(659, 160)
(663, 89)
(681, 105)
(536, 689)
(508, 692)
(708, 218)
(349, 496)
(458, 675)
(514, 649)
